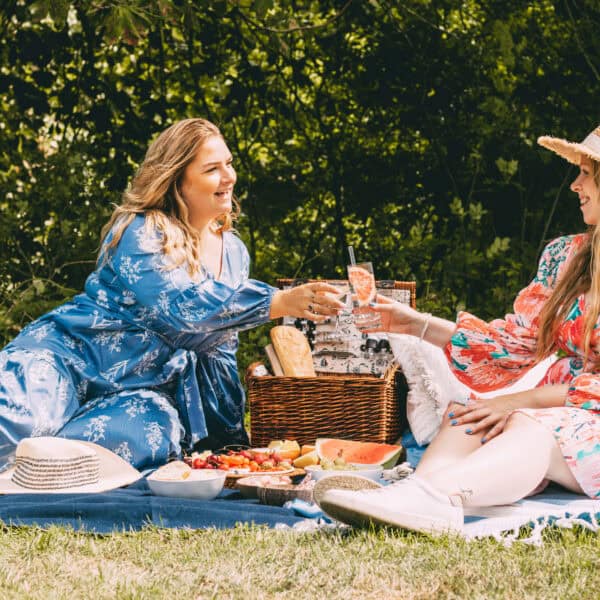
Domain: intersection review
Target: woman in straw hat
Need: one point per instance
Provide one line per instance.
(497, 451)
(143, 361)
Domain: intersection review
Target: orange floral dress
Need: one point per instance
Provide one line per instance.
(490, 356)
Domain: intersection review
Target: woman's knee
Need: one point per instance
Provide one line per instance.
(541, 437)
(520, 420)
(530, 431)
(141, 426)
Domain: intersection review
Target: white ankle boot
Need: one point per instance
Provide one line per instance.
(409, 504)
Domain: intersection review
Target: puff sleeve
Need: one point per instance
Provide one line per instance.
(488, 356)
(138, 280)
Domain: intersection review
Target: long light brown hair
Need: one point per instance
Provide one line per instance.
(154, 191)
(581, 276)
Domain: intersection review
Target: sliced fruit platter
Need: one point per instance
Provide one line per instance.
(327, 457)
(276, 458)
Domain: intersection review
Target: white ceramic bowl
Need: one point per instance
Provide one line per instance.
(202, 484)
(373, 472)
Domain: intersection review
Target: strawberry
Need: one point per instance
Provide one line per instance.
(260, 457)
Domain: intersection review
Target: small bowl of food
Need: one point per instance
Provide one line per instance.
(178, 480)
(248, 486)
(275, 490)
(373, 472)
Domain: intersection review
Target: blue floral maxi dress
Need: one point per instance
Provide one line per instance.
(143, 362)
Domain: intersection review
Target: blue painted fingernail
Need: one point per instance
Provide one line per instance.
(483, 440)
(454, 422)
(372, 304)
(468, 431)
(451, 414)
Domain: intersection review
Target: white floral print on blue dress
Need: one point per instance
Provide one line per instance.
(142, 362)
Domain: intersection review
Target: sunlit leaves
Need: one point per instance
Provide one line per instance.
(54, 12)
(508, 168)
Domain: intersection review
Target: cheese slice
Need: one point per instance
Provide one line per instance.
(293, 351)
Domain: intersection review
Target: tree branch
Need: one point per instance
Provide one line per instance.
(294, 28)
(552, 209)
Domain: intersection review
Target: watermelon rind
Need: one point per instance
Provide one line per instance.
(364, 453)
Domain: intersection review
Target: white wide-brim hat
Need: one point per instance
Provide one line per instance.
(573, 151)
(52, 465)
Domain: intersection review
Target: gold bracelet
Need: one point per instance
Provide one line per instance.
(425, 325)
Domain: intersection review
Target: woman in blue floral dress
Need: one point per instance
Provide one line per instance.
(143, 362)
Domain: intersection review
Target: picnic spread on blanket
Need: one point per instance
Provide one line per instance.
(323, 365)
(329, 367)
(263, 500)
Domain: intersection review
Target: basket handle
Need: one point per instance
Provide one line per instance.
(391, 371)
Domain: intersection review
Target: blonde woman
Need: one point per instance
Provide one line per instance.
(500, 450)
(143, 361)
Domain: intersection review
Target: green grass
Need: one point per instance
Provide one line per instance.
(257, 563)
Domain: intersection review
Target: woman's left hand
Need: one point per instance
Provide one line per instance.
(487, 416)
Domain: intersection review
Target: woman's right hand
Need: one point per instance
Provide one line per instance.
(314, 301)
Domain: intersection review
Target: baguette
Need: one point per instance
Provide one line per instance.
(293, 351)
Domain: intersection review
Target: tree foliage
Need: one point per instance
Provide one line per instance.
(406, 128)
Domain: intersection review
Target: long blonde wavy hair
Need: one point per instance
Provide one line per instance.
(154, 191)
(581, 276)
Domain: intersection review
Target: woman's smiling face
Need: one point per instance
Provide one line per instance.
(586, 188)
(207, 182)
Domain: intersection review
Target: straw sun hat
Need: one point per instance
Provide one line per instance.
(51, 465)
(572, 151)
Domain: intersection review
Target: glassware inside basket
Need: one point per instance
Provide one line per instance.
(345, 314)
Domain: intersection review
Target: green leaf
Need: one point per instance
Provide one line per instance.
(262, 7)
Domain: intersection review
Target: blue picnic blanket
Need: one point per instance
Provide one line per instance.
(134, 507)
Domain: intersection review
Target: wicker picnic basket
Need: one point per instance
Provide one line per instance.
(346, 406)
(357, 407)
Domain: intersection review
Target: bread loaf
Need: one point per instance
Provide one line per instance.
(293, 351)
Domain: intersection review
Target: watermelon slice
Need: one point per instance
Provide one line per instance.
(362, 453)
